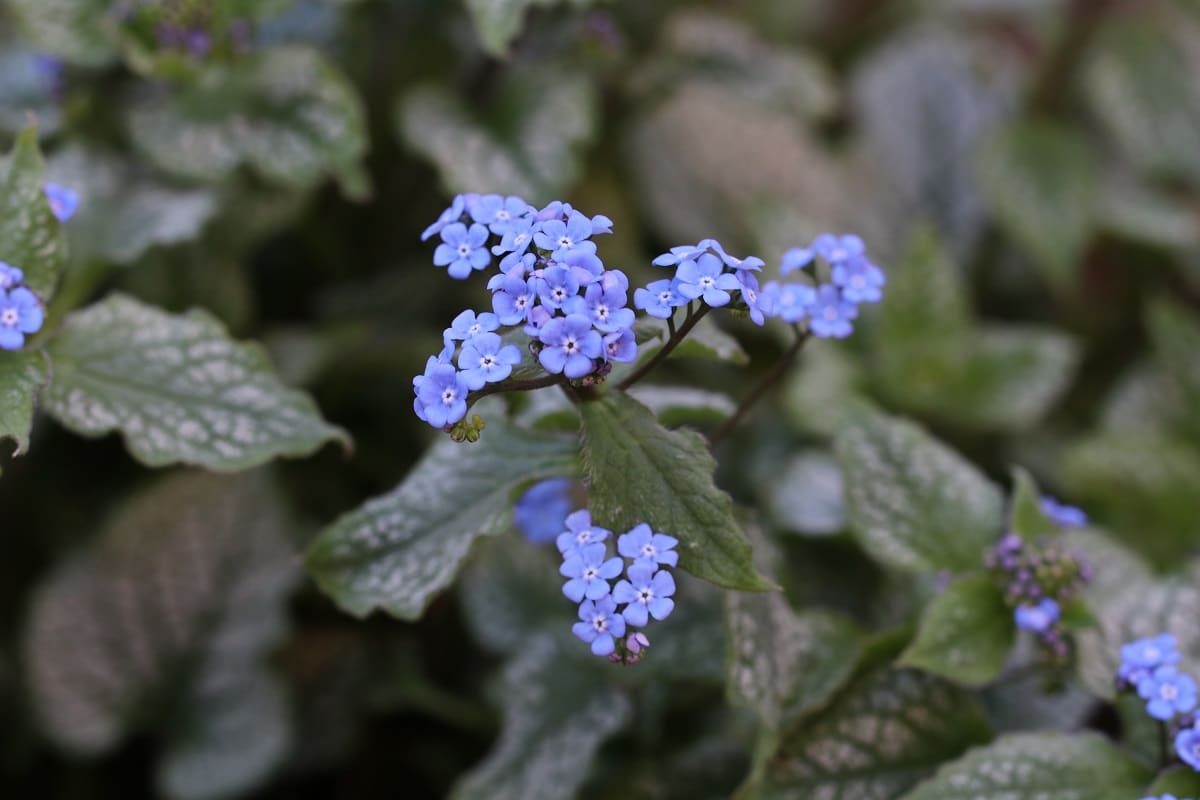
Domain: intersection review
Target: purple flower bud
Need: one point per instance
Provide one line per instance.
(636, 643)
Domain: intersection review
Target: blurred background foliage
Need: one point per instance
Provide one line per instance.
(1026, 171)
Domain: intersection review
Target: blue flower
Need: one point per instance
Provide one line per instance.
(796, 258)
(462, 249)
(450, 215)
(621, 346)
(538, 317)
(705, 277)
(758, 304)
(442, 395)
(749, 263)
(580, 533)
(1063, 515)
(1168, 692)
(683, 253)
(647, 547)
(606, 308)
(570, 346)
(601, 224)
(1141, 657)
(831, 314)
(486, 359)
(1162, 797)
(791, 302)
(499, 213)
(10, 276)
(600, 624)
(539, 513)
(562, 237)
(513, 302)
(1187, 745)
(589, 573)
(860, 280)
(648, 594)
(659, 299)
(1037, 618)
(64, 202)
(517, 237)
(556, 286)
(468, 324)
(836, 249)
(584, 265)
(20, 315)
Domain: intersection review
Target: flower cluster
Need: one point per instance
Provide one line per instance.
(1038, 580)
(21, 312)
(707, 273)
(186, 26)
(840, 278)
(644, 592)
(551, 284)
(1150, 667)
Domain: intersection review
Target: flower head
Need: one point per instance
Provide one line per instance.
(1037, 618)
(1167, 692)
(20, 316)
(749, 263)
(462, 249)
(1187, 745)
(452, 214)
(647, 593)
(705, 277)
(561, 237)
(441, 395)
(499, 213)
(580, 533)
(469, 324)
(647, 547)
(485, 358)
(589, 572)
(620, 346)
(838, 249)
(600, 624)
(831, 314)
(861, 281)
(789, 301)
(570, 346)
(556, 286)
(759, 305)
(1140, 658)
(605, 307)
(539, 513)
(513, 301)
(516, 238)
(64, 202)
(659, 299)
(1063, 515)
(10, 276)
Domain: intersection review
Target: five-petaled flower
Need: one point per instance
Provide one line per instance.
(462, 250)
(20, 316)
(647, 593)
(1037, 618)
(600, 624)
(589, 572)
(645, 546)
(1167, 692)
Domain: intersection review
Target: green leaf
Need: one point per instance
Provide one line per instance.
(1175, 333)
(22, 376)
(1026, 518)
(1040, 179)
(705, 340)
(78, 31)
(638, 471)
(287, 113)
(178, 389)
(783, 664)
(935, 360)
(499, 21)
(683, 405)
(819, 394)
(913, 503)
(1182, 781)
(30, 237)
(1136, 83)
(806, 496)
(1062, 766)
(965, 634)
(122, 212)
(168, 622)
(399, 550)
(1145, 485)
(556, 716)
(885, 732)
(557, 114)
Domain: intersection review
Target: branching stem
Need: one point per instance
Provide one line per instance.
(677, 336)
(769, 379)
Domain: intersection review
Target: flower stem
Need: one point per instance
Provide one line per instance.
(527, 385)
(769, 379)
(677, 336)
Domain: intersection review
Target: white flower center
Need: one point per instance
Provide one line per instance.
(560, 293)
(464, 250)
(1168, 691)
(449, 396)
(600, 623)
(486, 362)
(858, 282)
(584, 536)
(751, 295)
(831, 313)
(474, 329)
(590, 574)
(648, 550)
(570, 345)
(602, 312)
(522, 301)
(520, 238)
(565, 242)
(1152, 654)
(9, 317)
(503, 215)
(706, 281)
(664, 297)
(645, 595)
